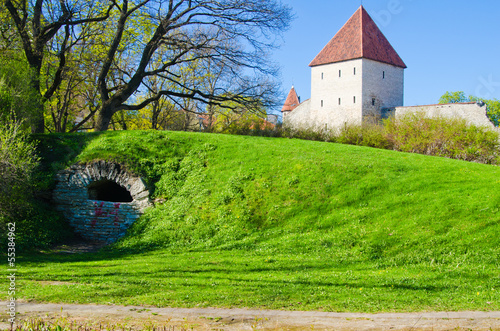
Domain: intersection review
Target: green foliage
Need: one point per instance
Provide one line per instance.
(493, 110)
(18, 160)
(18, 100)
(37, 225)
(445, 137)
(453, 97)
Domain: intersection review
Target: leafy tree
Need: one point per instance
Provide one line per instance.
(453, 97)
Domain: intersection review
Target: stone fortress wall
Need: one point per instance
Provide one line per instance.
(473, 112)
(303, 117)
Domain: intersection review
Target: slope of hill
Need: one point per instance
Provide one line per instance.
(278, 223)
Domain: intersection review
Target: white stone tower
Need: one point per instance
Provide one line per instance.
(354, 78)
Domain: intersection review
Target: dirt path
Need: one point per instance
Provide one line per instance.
(243, 319)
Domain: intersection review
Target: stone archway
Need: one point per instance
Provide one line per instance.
(100, 200)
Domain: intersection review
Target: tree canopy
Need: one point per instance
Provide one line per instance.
(103, 57)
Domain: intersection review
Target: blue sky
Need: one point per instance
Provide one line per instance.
(447, 45)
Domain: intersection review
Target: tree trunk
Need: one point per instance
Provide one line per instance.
(154, 118)
(104, 118)
(124, 123)
(37, 121)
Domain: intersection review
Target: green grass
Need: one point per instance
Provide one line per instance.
(287, 224)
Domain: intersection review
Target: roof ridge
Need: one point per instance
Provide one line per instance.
(361, 30)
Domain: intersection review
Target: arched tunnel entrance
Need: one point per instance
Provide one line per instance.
(108, 190)
(100, 200)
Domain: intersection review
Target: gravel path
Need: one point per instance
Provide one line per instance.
(245, 319)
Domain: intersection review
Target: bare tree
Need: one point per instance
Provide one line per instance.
(171, 34)
(234, 33)
(38, 22)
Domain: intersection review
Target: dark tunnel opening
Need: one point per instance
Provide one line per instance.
(108, 190)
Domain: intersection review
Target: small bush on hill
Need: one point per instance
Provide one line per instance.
(18, 161)
(369, 135)
(307, 134)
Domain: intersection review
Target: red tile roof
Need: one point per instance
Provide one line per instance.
(358, 38)
(292, 101)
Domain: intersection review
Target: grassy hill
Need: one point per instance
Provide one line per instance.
(278, 223)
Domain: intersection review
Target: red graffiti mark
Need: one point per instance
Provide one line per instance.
(98, 212)
(115, 212)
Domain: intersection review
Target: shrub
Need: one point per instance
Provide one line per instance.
(369, 134)
(37, 224)
(452, 138)
(415, 133)
(308, 134)
(18, 161)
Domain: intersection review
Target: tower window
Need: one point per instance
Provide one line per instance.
(321, 75)
(321, 103)
(373, 101)
(354, 71)
(354, 99)
(340, 73)
(383, 74)
(339, 101)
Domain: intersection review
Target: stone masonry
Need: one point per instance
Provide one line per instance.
(97, 220)
(474, 113)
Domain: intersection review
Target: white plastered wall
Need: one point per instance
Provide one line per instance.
(384, 83)
(331, 83)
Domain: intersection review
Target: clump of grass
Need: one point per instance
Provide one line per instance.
(66, 324)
